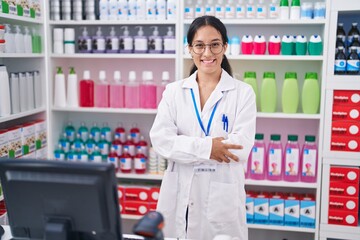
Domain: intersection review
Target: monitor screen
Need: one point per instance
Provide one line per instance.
(61, 200)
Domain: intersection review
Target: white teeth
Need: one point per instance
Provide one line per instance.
(210, 61)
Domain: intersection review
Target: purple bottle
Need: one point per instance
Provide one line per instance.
(274, 159)
(292, 159)
(84, 42)
(257, 158)
(309, 160)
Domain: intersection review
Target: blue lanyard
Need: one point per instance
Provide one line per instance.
(198, 114)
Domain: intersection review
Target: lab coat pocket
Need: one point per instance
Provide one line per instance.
(224, 202)
(168, 193)
(223, 125)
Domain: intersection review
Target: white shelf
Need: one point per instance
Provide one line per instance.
(115, 55)
(139, 176)
(341, 158)
(281, 228)
(343, 82)
(288, 115)
(106, 110)
(250, 182)
(21, 115)
(340, 229)
(22, 55)
(267, 22)
(12, 17)
(112, 22)
(270, 57)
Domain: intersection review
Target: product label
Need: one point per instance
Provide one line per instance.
(70, 134)
(59, 156)
(140, 163)
(229, 12)
(309, 162)
(250, 12)
(353, 65)
(292, 162)
(104, 148)
(340, 65)
(130, 149)
(118, 149)
(274, 162)
(90, 147)
(96, 159)
(113, 160)
(125, 163)
(257, 160)
(240, 12)
(83, 157)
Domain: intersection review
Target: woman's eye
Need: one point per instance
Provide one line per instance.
(200, 46)
(215, 45)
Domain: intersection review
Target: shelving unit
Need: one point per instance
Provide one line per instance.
(113, 56)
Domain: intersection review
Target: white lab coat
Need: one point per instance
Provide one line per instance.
(215, 199)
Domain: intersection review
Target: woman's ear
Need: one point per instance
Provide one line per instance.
(225, 47)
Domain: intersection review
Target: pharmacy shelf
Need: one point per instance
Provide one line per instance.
(288, 115)
(22, 55)
(341, 158)
(106, 110)
(343, 82)
(110, 22)
(139, 176)
(114, 56)
(281, 228)
(270, 57)
(250, 182)
(14, 18)
(329, 228)
(22, 114)
(267, 22)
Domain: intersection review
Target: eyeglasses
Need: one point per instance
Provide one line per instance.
(215, 47)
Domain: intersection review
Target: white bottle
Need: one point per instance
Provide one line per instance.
(30, 90)
(261, 12)
(220, 9)
(250, 9)
(27, 40)
(58, 36)
(274, 9)
(113, 10)
(122, 10)
(155, 41)
(160, 10)
(230, 10)
(104, 9)
(23, 92)
(66, 9)
(132, 10)
(59, 89)
(169, 41)
(171, 9)
(99, 42)
(19, 40)
(5, 106)
(284, 12)
(210, 8)
(140, 41)
(112, 42)
(150, 9)
(235, 46)
(72, 92)
(161, 87)
(9, 39)
(37, 89)
(55, 10)
(126, 41)
(140, 9)
(295, 12)
(189, 10)
(14, 93)
(90, 10)
(240, 10)
(199, 9)
(69, 40)
(77, 10)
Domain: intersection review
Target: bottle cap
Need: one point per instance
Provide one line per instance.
(126, 30)
(99, 32)
(117, 76)
(290, 75)
(354, 24)
(132, 76)
(295, 3)
(102, 75)
(311, 75)
(72, 70)
(156, 31)
(259, 136)
(85, 32)
(275, 137)
(292, 138)
(170, 32)
(112, 32)
(269, 74)
(59, 70)
(284, 3)
(86, 75)
(250, 75)
(165, 76)
(309, 138)
(140, 32)
(340, 24)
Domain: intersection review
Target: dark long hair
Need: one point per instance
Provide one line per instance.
(219, 26)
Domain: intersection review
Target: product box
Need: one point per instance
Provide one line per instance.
(307, 211)
(345, 174)
(292, 210)
(4, 143)
(276, 209)
(137, 194)
(26, 6)
(40, 134)
(261, 209)
(348, 144)
(20, 7)
(249, 205)
(154, 194)
(347, 97)
(14, 138)
(31, 155)
(343, 218)
(11, 5)
(136, 207)
(340, 203)
(28, 138)
(340, 112)
(41, 153)
(345, 128)
(35, 10)
(344, 189)
(152, 206)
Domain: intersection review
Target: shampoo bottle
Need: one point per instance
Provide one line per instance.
(126, 41)
(155, 41)
(117, 89)
(59, 90)
(132, 91)
(98, 42)
(148, 91)
(292, 159)
(86, 91)
(112, 42)
(140, 41)
(72, 89)
(102, 91)
(275, 159)
(84, 42)
(290, 93)
(169, 42)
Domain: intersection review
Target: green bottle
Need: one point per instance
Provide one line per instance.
(59, 153)
(250, 78)
(268, 94)
(104, 147)
(290, 93)
(78, 142)
(106, 131)
(96, 156)
(84, 132)
(64, 142)
(95, 131)
(83, 156)
(310, 96)
(90, 144)
(70, 132)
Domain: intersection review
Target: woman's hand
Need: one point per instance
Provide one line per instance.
(220, 151)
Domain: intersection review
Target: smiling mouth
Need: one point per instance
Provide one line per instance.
(208, 61)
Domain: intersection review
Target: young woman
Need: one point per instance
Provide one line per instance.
(205, 127)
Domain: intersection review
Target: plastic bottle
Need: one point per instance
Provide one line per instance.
(70, 132)
(209, 8)
(117, 145)
(230, 10)
(113, 10)
(59, 154)
(275, 159)
(106, 131)
(112, 42)
(84, 132)
(284, 10)
(117, 91)
(140, 163)
(148, 91)
(339, 42)
(171, 9)
(143, 146)
(120, 132)
(240, 10)
(247, 44)
(141, 9)
(199, 9)
(257, 158)
(104, 147)
(309, 160)
(83, 156)
(340, 61)
(307, 10)
(301, 45)
(95, 132)
(292, 159)
(259, 45)
(122, 10)
(9, 37)
(102, 91)
(155, 41)
(64, 143)
(140, 41)
(132, 92)
(24, 106)
(268, 93)
(14, 93)
(38, 89)
(169, 42)
(135, 133)
(95, 156)
(72, 91)
(126, 41)
(295, 10)
(315, 46)
(65, 10)
(235, 46)
(30, 90)
(319, 10)
(90, 10)
(250, 78)
(132, 10)
(126, 162)
(160, 10)
(310, 95)
(104, 9)
(355, 43)
(86, 90)
(84, 42)
(220, 9)
(55, 10)
(5, 105)
(90, 144)
(113, 158)
(78, 143)
(161, 87)
(274, 45)
(261, 12)
(150, 10)
(27, 40)
(353, 31)
(189, 10)
(98, 42)
(274, 9)
(250, 9)
(290, 93)
(129, 146)
(59, 89)
(77, 10)
(19, 40)
(353, 62)
(288, 45)
(69, 40)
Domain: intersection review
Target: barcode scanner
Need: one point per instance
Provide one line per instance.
(150, 226)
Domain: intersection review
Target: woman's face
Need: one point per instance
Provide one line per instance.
(207, 50)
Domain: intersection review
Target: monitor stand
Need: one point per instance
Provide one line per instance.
(57, 229)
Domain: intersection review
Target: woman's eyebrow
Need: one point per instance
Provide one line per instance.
(214, 40)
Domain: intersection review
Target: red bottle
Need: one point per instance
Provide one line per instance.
(126, 162)
(143, 146)
(113, 158)
(140, 163)
(135, 134)
(120, 132)
(86, 91)
(117, 145)
(130, 146)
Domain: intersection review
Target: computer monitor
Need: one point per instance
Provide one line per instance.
(60, 200)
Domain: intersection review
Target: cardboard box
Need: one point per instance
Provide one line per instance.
(41, 153)
(28, 138)
(35, 10)
(154, 194)
(340, 112)
(346, 97)
(307, 211)
(4, 143)
(261, 209)
(26, 6)
(137, 194)
(344, 189)
(276, 209)
(343, 218)
(249, 205)
(292, 210)
(345, 174)
(345, 128)
(341, 203)
(152, 206)
(347, 144)
(136, 207)
(14, 138)
(40, 134)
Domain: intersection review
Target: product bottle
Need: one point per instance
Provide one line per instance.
(104, 147)
(274, 45)
(257, 158)
(112, 42)
(78, 143)
(113, 10)
(284, 10)
(5, 105)
(169, 42)
(55, 10)
(84, 42)
(117, 92)
(220, 9)
(122, 10)
(288, 45)
(129, 146)
(295, 10)
(19, 40)
(301, 45)
(24, 106)
(259, 45)
(148, 91)
(126, 42)
(171, 9)
(69, 40)
(117, 145)
(135, 133)
(161, 87)
(352, 32)
(250, 78)
(230, 10)
(310, 95)
(247, 44)
(132, 10)
(235, 46)
(90, 10)
(292, 159)
(355, 43)
(64, 143)
(38, 89)
(290, 93)
(95, 156)
(106, 131)
(72, 155)
(150, 10)
(275, 159)
(58, 44)
(59, 90)
(199, 9)
(36, 40)
(209, 8)
(86, 90)
(141, 9)
(14, 93)
(132, 92)
(104, 9)
(59, 154)
(268, 93)
(84, 132)
(261, 12)
(90, 144)
(98, 42)
(189, 10)
(140, 163)
(72, 89)
(353, 62)
(83, 156)
(155, 41)
(77, 10)
(70, 132)
(143, 146)
(113, 158)
(309, 160)
(65, 10)
(30, 90)
(95, 132)
(274, 9)
(102, 91)
(240, 9)
(126, 161)
(319, 10)
(315, 45)
(340, 61)
(140, 41)
(27, 41)
(250, 9)
(120, 132)
(340, 32)
(9, 39)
